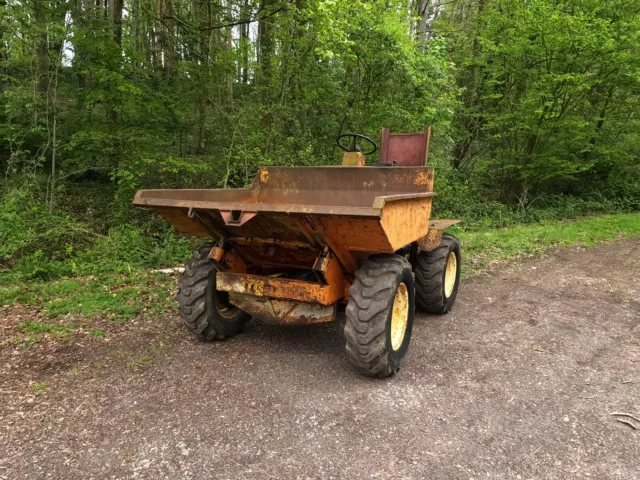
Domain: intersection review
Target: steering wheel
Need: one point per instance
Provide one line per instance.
(355, 143)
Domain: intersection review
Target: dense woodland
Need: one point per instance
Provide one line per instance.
(534, 104)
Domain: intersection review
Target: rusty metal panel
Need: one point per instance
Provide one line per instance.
(304, 209)
(347, 188)
(281, 288)
(228, 261)
(328, 268)
(185, 225)
(355, 234)
(283, 312)
(405, 149)
(431, 240)
(304, 190)
(442, 224)
(405, 221)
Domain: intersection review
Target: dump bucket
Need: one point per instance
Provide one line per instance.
(290, 213)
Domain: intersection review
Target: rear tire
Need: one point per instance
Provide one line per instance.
(380, 315)
(203, 309)
(436, 289)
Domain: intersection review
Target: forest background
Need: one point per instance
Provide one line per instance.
(533, 104)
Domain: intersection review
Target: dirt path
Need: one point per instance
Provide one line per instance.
(518, 382)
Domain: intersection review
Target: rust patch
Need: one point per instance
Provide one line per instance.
(424, 178)
(280, 288)
(216, 254)
(280, 312)
(231, 262)
(431, 240)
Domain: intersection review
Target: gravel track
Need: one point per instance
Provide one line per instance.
(517, 382)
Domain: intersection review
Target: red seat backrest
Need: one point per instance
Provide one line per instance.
(406, 149)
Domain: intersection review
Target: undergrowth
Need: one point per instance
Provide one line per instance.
(483, 247)
(38, 245)
(119, 297)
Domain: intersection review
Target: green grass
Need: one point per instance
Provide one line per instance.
(32, 331)
(483, 247)
(39, 389)
(120, 297)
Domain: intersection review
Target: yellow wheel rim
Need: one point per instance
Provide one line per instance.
(450, 274)
(399, 316)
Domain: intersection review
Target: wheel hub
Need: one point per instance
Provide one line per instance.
(399, 316)
(450, 274)
(225, 309)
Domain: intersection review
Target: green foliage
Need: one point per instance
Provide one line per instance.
(39, 245)
(463, 196)
(29, 231)
(118, 297)
(39, 388)
(533, 105)
(32, 331)
(550, 94)
(96, 334)
(486, 246)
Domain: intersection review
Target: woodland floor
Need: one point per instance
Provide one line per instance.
(519, 381)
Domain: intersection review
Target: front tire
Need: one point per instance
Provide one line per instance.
(205, 311)
(380, 315)
(438, 276)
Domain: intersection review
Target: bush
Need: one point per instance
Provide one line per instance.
(461, 196)
(28, 229)
(36, 244)
(127, 248)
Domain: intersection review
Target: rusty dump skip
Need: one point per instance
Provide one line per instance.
(373, 209)
(324, 220)
(352, 191)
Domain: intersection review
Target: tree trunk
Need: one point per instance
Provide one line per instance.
(244, 42)
(39, 11)
(423, 17)
(462, 148)
(168, 40)
(115, 11)
(203, 9)
(135, 20)
(599, 124)
(264, 60)
(229, 46)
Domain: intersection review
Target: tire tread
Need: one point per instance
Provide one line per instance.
(367, 313)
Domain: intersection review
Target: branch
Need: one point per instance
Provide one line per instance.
(251, 19)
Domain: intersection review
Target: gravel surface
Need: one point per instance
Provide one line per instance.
(518, 382)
